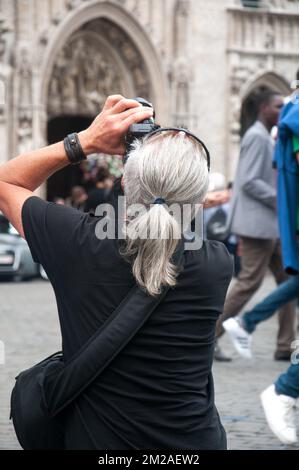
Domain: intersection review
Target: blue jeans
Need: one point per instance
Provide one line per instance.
(288, 383)
(284, 293)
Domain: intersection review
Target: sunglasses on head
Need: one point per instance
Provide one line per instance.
(188, 133)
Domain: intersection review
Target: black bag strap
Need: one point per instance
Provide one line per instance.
(62, 388)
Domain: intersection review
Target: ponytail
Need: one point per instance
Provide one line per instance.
(152, 238)
(169, 168)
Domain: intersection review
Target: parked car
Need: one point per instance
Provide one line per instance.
(15, 258)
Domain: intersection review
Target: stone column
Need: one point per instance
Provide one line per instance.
(238, 76)
(181, 70)
(24, 20)
(5, 92)
(23, 99)
(5, 97)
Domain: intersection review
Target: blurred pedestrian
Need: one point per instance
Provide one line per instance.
(99, 194)
(240, 330)
(89, 170)
(279, 399)
(216, 209)
(279, 402)
(78, 198)
(253, 217)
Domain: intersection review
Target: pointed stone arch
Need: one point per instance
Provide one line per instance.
(267, 81)
(244, 80)
(271, 80)
(121, 39)
(107, 13)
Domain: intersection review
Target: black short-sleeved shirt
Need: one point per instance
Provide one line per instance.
(158, 392)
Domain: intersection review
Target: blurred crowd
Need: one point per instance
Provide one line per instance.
(94, 190)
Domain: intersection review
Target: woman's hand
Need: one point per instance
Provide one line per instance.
(107, 132)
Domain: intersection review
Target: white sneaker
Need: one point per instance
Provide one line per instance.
(280, 414)
(240, 338)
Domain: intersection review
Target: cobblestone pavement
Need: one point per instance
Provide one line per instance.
(29, 329)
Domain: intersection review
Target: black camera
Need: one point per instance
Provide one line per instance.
(148, 126)
(139, 130)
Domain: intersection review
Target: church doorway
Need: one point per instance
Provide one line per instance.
(97, 60)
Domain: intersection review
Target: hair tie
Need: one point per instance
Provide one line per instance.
(159, 200)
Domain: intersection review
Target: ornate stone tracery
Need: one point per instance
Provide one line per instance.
(128, 53)
(82, 77)
(25, 112)
(181, 19)
(130, 46)
(91, 66)
(25, 79)
(181, 75)
(239, 76)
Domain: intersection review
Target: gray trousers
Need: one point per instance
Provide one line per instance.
(257, 256)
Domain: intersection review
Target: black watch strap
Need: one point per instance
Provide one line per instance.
(73, 149)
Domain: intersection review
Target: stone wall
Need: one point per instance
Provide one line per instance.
(196, 59)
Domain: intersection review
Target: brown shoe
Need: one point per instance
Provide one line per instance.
(282, 356)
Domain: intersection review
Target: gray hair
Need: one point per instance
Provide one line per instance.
(171, 166)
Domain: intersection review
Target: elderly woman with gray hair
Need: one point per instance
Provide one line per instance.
(157, 392)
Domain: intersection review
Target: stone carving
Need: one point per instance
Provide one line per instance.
(71, 4)
(25, 77)
(239, 76)
(269, 42)
(181, 26)
(235, 114)
(84, 73)
(5, 68)
(179, 77)
(129, 53)
(82, 78)
(2, 46)
(182, 76)
(182, 94)
(25, 135)
(24, 131)
(4, 29)
(43, 38)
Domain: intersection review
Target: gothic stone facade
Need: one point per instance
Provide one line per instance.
(196, 60)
